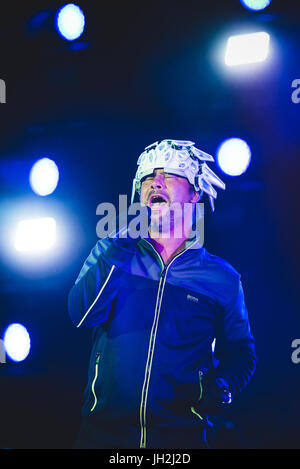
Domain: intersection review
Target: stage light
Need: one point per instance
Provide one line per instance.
(256, 5)
(233, 156)
(247, 48)
(70, 21)
(16, 342)
(36, 235)
(44, 177)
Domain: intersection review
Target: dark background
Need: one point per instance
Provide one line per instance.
(141, 72)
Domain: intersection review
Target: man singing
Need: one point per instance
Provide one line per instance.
(157, 304)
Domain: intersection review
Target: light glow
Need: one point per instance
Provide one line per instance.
(233, 156)
(44, 176)
(255, 5)
(34, 236)
(247, 48)
(17, 342)
(70, 22)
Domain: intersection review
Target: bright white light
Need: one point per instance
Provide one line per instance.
(17, 342)
(44, 176)
(70, 21)
(255, 4)
(247, 48)
(34, 236)
(233, 156)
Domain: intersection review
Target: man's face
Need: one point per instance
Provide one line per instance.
(161, 191)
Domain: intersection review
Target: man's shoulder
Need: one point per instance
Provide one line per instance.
(218, 277)
(116, 251)
(104, 244)
(219, 264)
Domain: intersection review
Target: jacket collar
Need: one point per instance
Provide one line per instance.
(191, 244)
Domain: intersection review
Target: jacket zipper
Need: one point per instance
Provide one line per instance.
(151, 347)
(94, 380)
(200, 395)
(200, 384)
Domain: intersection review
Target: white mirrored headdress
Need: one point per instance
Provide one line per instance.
(182, 158)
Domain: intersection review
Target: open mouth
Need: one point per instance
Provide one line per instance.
(157, 200)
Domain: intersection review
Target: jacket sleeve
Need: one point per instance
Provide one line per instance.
(235, 345)
(95, 288)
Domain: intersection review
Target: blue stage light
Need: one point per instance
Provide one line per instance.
(247, 48)
(44, 176)
(256, 5)
(16, 342)
(70, 21)
(36, 235)
(233, 156)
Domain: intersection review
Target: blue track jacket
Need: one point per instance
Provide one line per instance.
(155, 326)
